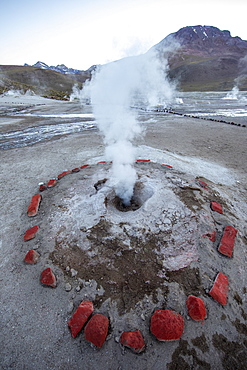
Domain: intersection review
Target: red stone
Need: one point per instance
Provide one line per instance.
(143, 160)
(77, 169)
(32, 256)
(42, 187)
(227, 241)
(216, 207)
(167, 325)
(196, 308)
(34, 205)
(167, 165)
(211, 235)
(96, 330)
(133, 340)
(220, 289)
(202, 184)
(84, 166)
(64, 173)
(48, 278)
(51, 183)
(30, 233)
(80, 317)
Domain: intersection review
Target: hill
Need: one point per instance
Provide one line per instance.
(42, 81)
(205, 59)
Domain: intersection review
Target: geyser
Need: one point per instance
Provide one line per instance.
(115, 89)
(141, 193)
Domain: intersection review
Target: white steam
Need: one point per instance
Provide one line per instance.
(233, 94)
(114, 90)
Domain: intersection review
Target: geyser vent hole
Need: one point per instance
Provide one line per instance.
(141, 194)
(119, 204)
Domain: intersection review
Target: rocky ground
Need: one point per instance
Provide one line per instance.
(129, 264)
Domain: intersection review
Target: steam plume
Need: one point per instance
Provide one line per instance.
(114, 89)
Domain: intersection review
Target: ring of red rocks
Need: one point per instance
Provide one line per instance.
(165, 324)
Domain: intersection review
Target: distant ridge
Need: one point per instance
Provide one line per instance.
(59, 68)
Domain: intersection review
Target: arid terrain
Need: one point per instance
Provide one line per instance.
(127, 263)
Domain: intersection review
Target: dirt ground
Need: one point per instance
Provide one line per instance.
(34, 331)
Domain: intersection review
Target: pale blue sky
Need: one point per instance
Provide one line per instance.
(80, 33)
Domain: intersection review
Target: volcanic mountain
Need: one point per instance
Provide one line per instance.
(205, 58)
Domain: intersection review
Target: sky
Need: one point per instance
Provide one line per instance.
(81, 33)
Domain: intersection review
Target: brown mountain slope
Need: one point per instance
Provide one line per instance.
(44, 82)
(205, 58)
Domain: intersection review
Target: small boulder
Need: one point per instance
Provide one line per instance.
(202, 184)
(167, 165)
(51, 183)
(167, 325)
(227, 241)
(48, 278)
(96, 330)
(143, 160)
(34, 205)
(30, 233)
(133, 340)
(196, 308)
(216, 207)
(42, 187)
(211, 235)
(80, 317)
(220, 289)
(64, 173)
(32, 256)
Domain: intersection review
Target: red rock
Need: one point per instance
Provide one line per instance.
(30, 233)
(51, 183)
(167, 165)
(202, 184)
(77, 169)
(32, 256)
(34, 205)
(167, 325)
(216, 207)
(84, 166)
(42, 187)
(96, 330)
(211, 235)
(227, 241)
(196, 308)
(80, 317)
(48, 278)
(64, 173)
(143, 160)
(220, 289)
(133, 340)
